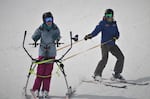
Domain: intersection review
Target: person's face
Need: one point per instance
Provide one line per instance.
(109, 19)
(49, 21)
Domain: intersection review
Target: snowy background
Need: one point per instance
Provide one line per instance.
(81, 17)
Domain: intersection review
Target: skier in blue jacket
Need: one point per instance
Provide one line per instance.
(108, 28)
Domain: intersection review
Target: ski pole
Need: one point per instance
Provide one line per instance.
(25, 33)
(69, 45)
(36, 44)
(106, 42)
(61, 67)
(87, 50)
(28, 76)
(81, 52)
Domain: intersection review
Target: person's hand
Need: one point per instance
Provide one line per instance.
(115, 38)
(89, 36)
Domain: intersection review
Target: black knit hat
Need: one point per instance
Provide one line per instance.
(46, 15)
(109, 11)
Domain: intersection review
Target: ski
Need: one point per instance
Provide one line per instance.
(130, 82)
(40, 97)
(115, 86)
(136, 83)
(48, 97)
(105, 83)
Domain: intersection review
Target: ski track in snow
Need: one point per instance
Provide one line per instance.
(80, 16)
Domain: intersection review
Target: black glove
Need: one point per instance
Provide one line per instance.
(89, 36)
(115, 38)
(35, 44)
(57, 43)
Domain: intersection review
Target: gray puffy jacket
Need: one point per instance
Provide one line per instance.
(47, 40)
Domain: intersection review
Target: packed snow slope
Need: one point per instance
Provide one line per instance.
(80, 17)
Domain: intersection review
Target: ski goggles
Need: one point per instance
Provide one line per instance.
(49, 19)
(108, 15)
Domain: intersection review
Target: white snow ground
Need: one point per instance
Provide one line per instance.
(80, 16)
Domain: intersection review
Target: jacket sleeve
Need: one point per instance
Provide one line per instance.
(117, 34)
(97, 29)
(37, 35)
(56, 36)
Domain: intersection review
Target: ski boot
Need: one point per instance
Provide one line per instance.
(118, 76)
(35, 94)
(97, 78)
(45, 94)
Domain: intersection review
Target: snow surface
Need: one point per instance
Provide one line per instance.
(79, 16)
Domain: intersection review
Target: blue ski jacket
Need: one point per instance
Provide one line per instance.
(108, 30)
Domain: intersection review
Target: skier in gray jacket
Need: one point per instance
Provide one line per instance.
(48, 33)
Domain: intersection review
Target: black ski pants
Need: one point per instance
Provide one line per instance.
(115, 51)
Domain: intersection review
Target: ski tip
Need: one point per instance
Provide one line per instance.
(124, 86)
(146, 83)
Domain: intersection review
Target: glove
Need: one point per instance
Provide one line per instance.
(89, 36)
(115, 38)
